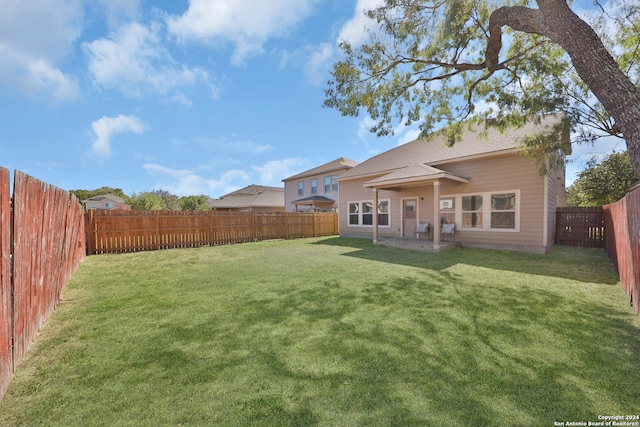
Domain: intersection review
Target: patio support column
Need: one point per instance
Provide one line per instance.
(375, 215)
(436, 214)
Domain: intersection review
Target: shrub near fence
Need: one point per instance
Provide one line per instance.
(134, 231)
(42, 245)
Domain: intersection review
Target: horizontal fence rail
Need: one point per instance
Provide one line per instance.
(582, 227)
(111, 231)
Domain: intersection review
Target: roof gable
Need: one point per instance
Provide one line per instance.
(339, 164)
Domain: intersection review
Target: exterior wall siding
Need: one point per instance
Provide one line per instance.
(505, 173)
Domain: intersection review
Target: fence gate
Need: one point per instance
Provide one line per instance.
(582, 227)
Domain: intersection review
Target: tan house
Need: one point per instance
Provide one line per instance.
(316, 189)
(106, 202)
(483, 188)
(252, 198)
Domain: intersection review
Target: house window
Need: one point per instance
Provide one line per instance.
(448, 209)
(383, 213)
(327, 184)
(498, 211)
(361, 213)
(330, 183)
(503, 210)
(472, 211)
(314, 186)
(354, 213)
(300, 188)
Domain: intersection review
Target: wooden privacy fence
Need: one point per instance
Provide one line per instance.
(42, 242)
(132, 231)
(582, 227)
(622, 242)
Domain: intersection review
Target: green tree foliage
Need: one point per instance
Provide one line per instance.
(170, 201)
(146, 201)
(603, 183)
(194, 203)
(443, 63)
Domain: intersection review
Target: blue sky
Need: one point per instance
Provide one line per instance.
(192, 97)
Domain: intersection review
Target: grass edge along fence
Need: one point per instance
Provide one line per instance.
(113, 231)
(42, 242)
(622, 242)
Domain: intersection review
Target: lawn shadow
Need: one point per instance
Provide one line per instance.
(579, 264)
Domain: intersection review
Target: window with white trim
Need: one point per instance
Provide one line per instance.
(330, 183)
(314, 186)
(497, 211)
(503, 210)
(361, 213)
(472, 211)
(300, 188)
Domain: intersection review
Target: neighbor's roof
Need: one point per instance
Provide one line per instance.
(250, 196)
(336, 165)
(105, 197)
(433, 152)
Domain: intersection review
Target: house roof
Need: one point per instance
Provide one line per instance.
(412, 174)
(250, 196)
(339, 164)
(105, 197)
(475, 143)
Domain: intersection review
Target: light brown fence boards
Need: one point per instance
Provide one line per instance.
(133, 231)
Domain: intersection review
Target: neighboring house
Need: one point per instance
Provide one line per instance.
(106, 202)
(316, 189)
(493, 194)
(252, 198)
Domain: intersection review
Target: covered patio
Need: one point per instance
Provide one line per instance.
(415, 175)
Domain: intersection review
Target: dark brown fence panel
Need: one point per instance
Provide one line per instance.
(6, 322)
(133, 231)
(582, 227)
(48, 245)
(623, 242)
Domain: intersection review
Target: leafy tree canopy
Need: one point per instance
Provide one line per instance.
(146, 201)
(194, 203)
(603, 183)
(441, 63)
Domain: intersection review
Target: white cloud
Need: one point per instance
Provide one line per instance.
(355, 30)
(318, 63)
(34, 38)
(135, 62)
(185, 182)
(246, 24)
(106, 127)
(274, 171)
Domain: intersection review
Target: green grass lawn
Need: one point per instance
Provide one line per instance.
(335, 332)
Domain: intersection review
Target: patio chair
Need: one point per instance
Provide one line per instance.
(423, 228)
(448, 229)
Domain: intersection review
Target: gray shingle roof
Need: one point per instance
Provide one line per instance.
(435, 151)
(334, 165)
(250, 196)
